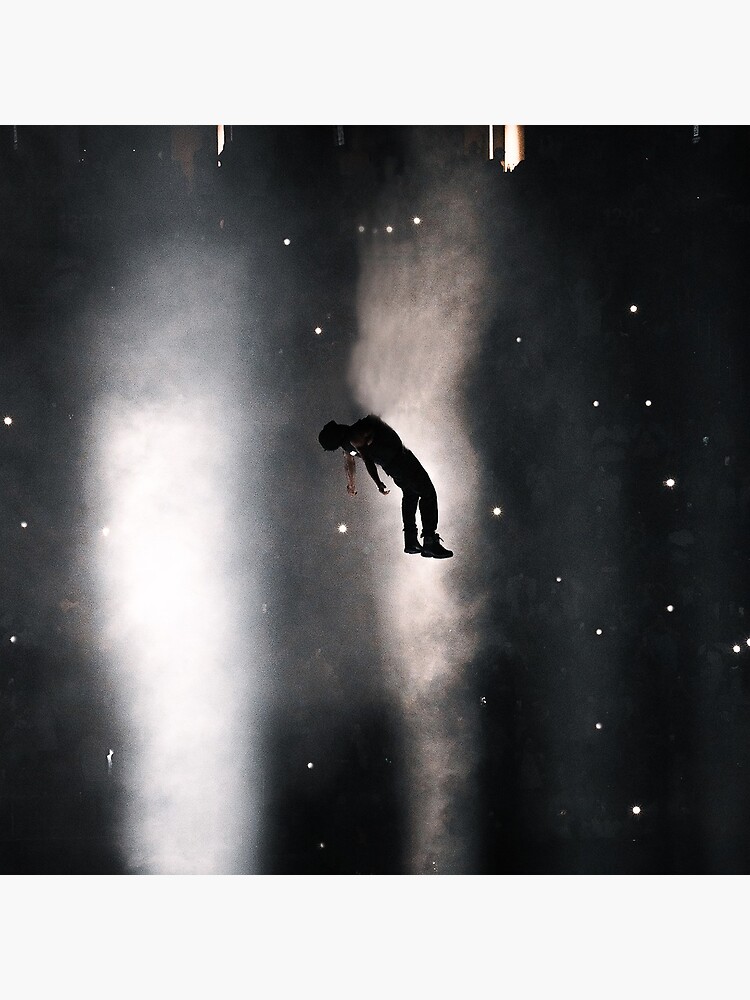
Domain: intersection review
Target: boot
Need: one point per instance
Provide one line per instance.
(411, 542)
(432, 548)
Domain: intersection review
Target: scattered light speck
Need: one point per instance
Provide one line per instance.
(497, 511)
(361, 229)
(518, 340)
(24, 524)
(670, 483)
(648, 402)
(670, 607)
(483, 700)
(417, 220)
(13, 638)
(736, 648)
(318, 329)
(287, 241)
(598, 631)
(636, 810)
(8, 421)
(389, 229)
(310, 766)
(558, 579)
(596, 402)
(342, 529)
(598, 725)
(634, 309)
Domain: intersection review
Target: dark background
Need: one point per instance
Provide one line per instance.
(595, 218)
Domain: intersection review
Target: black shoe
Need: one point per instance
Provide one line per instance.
(433, 548)
(411, 542)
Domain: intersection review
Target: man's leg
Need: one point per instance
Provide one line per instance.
(409, 502)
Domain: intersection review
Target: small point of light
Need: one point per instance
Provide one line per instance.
(417, 220)
(287, 241)
(636, 810)
(105, 531)
(747, 641)
(736, 648)
(110, 755)
(497, 511)
(13, 638)
(310, 766)
(342, 529)
(648, 402)
(670, 607)
(318, 329)
(518, 340)
(596, 402)
(24, 524)
(598, 725)
(670, 483)
(361, 228)
(483, 700)
(558, 579)
(389, 229)
(321, 845)
(598, 631)
(8, 421)
(634, 309)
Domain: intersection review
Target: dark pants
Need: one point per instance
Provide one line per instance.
(412, 479)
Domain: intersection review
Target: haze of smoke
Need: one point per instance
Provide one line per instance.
(166, 482)
(421, 307)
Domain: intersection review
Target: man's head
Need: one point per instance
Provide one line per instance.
(332, 436)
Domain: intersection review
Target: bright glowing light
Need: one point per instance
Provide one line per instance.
(417, 220)
(483, 700)
(389, 229)
(361, 228)
(318, 329)
(648, 402)
(636, 810)
(634, 309)
(24, 524)
(747, 641)
(287, 241)
(670, 607)
(8, 421)
(558, 579)
(110, 755)
(670, 483)
(514, 146)
(13, 638)
(310, 765)
(596, 402)
(497, 511)
(518, 340)
(105, 531)
(736, 649)
(598, 725)
(342, 529)
(321, 845)
(598, 631)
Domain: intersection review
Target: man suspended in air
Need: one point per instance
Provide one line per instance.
(377, 444)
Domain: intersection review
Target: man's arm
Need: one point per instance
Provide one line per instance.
(350, 467)
(373, 470)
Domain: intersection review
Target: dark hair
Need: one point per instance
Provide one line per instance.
(332, 436)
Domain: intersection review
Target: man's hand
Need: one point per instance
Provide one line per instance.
(383, 489)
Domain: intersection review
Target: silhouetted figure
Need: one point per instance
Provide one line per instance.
(377, 444)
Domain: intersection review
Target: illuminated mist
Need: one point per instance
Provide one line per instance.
(169, 485)
(421, 307)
